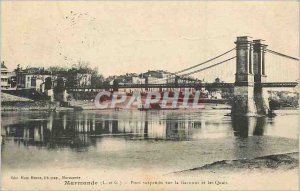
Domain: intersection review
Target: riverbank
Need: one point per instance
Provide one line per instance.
(90, 105)
(276, 171)
(28, 106)
(269, 163)
(82, 105)
(16, 103)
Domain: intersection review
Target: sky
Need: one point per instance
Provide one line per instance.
(131, 36)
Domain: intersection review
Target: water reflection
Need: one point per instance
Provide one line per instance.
(80, 130)
(245, 126)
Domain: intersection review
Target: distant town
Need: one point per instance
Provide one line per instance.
(82, 76)
(40, 83)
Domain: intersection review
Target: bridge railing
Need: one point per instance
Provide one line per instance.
(279, 84)
(158, 86)
(174, 85)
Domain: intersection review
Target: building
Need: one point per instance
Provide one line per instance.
(137, 80)
(132, 78)
(129, 78)
(32, 78)
(158, 77)
(5, 74)
(83, 80)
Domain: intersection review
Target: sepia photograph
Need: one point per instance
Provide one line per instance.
(149, 95)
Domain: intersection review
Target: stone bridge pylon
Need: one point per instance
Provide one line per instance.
(250, 98)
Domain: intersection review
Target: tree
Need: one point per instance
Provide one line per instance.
(18, 68)
(48, 83)
(217, 80)
(58, 70)
(71, 76)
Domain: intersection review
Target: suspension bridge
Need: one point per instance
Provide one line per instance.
(250, 77)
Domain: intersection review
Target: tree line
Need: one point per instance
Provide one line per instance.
(70, 74)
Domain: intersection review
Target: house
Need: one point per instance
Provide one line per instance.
(157, 77)
(83, 79)
(164, 77)
(135, 79)
(32, 78)
(129, 78)
(4, 76)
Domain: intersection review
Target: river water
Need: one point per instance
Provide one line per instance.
(163, 141)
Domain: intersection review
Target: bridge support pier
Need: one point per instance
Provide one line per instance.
(250, 98)
(243, 103)
(261, 100)
(260, 93)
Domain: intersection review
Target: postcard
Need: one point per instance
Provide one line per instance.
(149, 95)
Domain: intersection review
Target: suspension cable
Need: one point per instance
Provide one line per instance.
(203, 62)
(200, 70)
(283, 55)
(196, 65)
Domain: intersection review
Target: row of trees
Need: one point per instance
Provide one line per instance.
(70, 74)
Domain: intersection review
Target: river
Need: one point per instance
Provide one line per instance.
(157, 141)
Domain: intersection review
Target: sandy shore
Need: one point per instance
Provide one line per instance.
(272, 172)
(269, 163)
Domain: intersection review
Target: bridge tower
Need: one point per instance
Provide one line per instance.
(243, 102)
(249, 96)
(260, 93)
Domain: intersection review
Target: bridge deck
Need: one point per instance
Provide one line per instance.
(196, 86)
